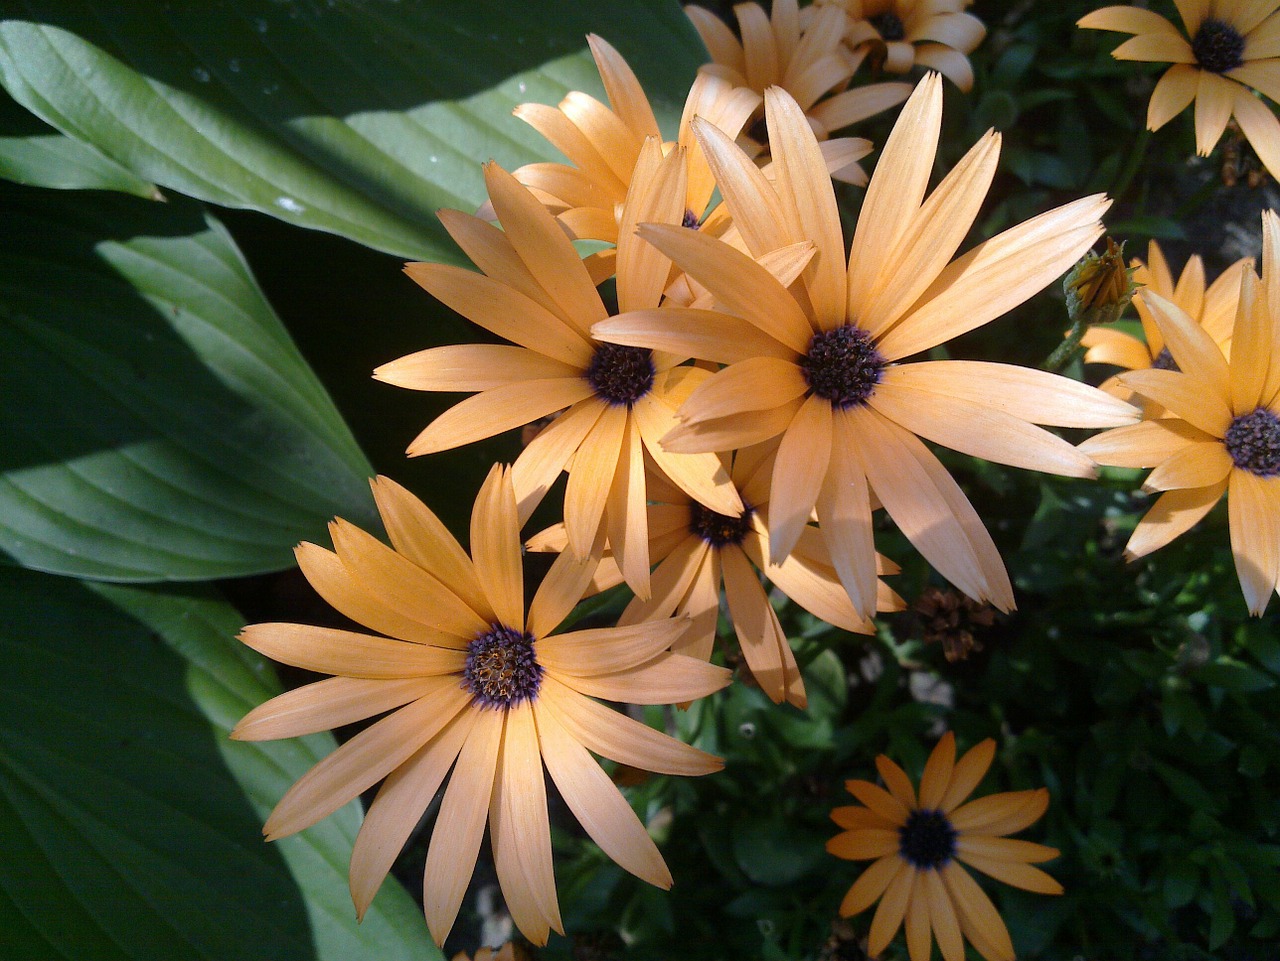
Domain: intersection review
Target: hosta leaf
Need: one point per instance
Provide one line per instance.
(32, 152)
(131, 824)
(155, 419)
(353, 117)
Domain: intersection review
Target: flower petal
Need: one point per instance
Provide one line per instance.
(998, 814)
(893, 906)
(809, 200)
(896, 190)
(1199, 465)
(591, 476)
(1157, 48)
(455, 840)
(973, 428)
(864, 845)
(996, 276)
(1193, 399)
(564, 585)
(330, 651)
(1015, 873)
(626, 95)
(942, 917)
(366, 759)
(879, 800)
(396, 811)
(519, 831)
(967, 774)
(896, 780)
(919, 937)
(979, 919)
(937, 772)
(497, 410)
(402, 585)
(500, 309)
(931, 510)
(705, 334)
(540, 463)
(1006, 849)
(700, 475)
(1253, 505)
(1215, 97)
(495, 546)
(760, 636)
(870, 885)
(667, 679)
(471, 367)
(340, 588)
(1175, 513)
(1031, 395)
(844, 511)
(325, 705)
(594, 800)
(798, 474)
(420, 536)
(606, 650)
(1127, 19)
(1145, 444)
(620, 738)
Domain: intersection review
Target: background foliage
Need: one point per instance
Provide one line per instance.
(206, 206)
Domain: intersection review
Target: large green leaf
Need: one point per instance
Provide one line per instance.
(360, 118)
(155, 419)
(130, 823)
(32, 152)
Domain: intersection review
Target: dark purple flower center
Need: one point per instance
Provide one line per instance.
(1218, 46)
(889, 25)
(690, 220)
(927, 840)
(843, 366)
(1164, 361)
(1253, 441)
(502, 669)
(621, 375)
(719, 529)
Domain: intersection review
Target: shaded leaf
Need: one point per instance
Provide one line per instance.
(131, 824)
(32, 152)
(156, 422)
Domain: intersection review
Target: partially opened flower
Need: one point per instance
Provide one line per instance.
(1229, 46)
(475, 686)
(918, 843)
(698, 550)
(802, 52)
(536, 292)
(1220, 430)
(1213, 308)
(901, 34)
(820, 362)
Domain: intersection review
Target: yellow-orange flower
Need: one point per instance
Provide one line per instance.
(819, 362)
(471, 684)
(1220, 429)
(802, 52)
(900, 34)
(536, 292)
(697, 550)
(1213, 308)
(919, 842)
(1229, 46)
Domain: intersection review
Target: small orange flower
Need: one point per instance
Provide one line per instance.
(1219, 432)
(1229, 46)
(900, 34)
(471, 684)
(919, 842)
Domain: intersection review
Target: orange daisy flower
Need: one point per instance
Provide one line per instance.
(820, 363)
(536, 292)
(1228, 47)
(900, 34)
(471, 684)
(1213, 308)
(1220, 432)
(697, 550)
(919, 843)
(802, 52)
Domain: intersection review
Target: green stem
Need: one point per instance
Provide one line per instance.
(1063, 353)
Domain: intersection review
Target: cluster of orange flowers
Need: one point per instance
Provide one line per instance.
(738, 418)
